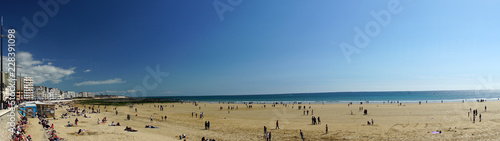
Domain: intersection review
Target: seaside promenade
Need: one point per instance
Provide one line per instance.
(4, 133)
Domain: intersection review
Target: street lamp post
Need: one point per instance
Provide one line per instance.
(1, 62)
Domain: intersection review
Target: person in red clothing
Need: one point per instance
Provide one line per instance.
(277, 125)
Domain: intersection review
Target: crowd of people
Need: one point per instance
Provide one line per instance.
(315, 120)
(49, 129)
(474, 114)
(19, 130)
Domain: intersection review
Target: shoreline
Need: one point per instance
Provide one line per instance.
(346, 102)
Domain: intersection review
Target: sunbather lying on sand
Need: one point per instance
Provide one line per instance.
(130, 129)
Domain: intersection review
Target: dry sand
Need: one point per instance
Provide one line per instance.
(392, 122)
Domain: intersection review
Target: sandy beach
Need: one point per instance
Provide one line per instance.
(391, 122)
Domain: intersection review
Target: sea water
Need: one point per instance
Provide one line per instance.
(355, 97)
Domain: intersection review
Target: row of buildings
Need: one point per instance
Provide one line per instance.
(26, 91)
(46, 93)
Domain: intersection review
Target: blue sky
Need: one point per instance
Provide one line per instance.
(260, 47)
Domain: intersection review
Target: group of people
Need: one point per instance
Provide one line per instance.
(307, 111)
(315, 120)
(102, 121)
(196, 114)
(113, 123)
(370, 123)
(300, 107)
(159, 106)
(267, 135)
(19, 130)
(207, 125)
(474, 114)
(49, 128)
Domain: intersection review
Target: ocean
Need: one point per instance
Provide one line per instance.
(355, 97)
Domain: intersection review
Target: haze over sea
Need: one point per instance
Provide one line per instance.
(346, 97)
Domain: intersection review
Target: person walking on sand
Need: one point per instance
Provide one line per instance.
(302, 135)
(151, 118)
(326, 128)
(479, 117)
(373, 122)
(76, 121)
(98, 120)
(277, 125)
(265, 129)
(269, 136)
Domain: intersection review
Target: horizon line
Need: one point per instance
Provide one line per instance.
(311, 93)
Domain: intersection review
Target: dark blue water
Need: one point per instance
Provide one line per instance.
(345, 97)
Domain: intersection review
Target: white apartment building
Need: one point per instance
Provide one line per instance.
(40, 92)
(71, 94)
(28, 88)
(53, 93)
